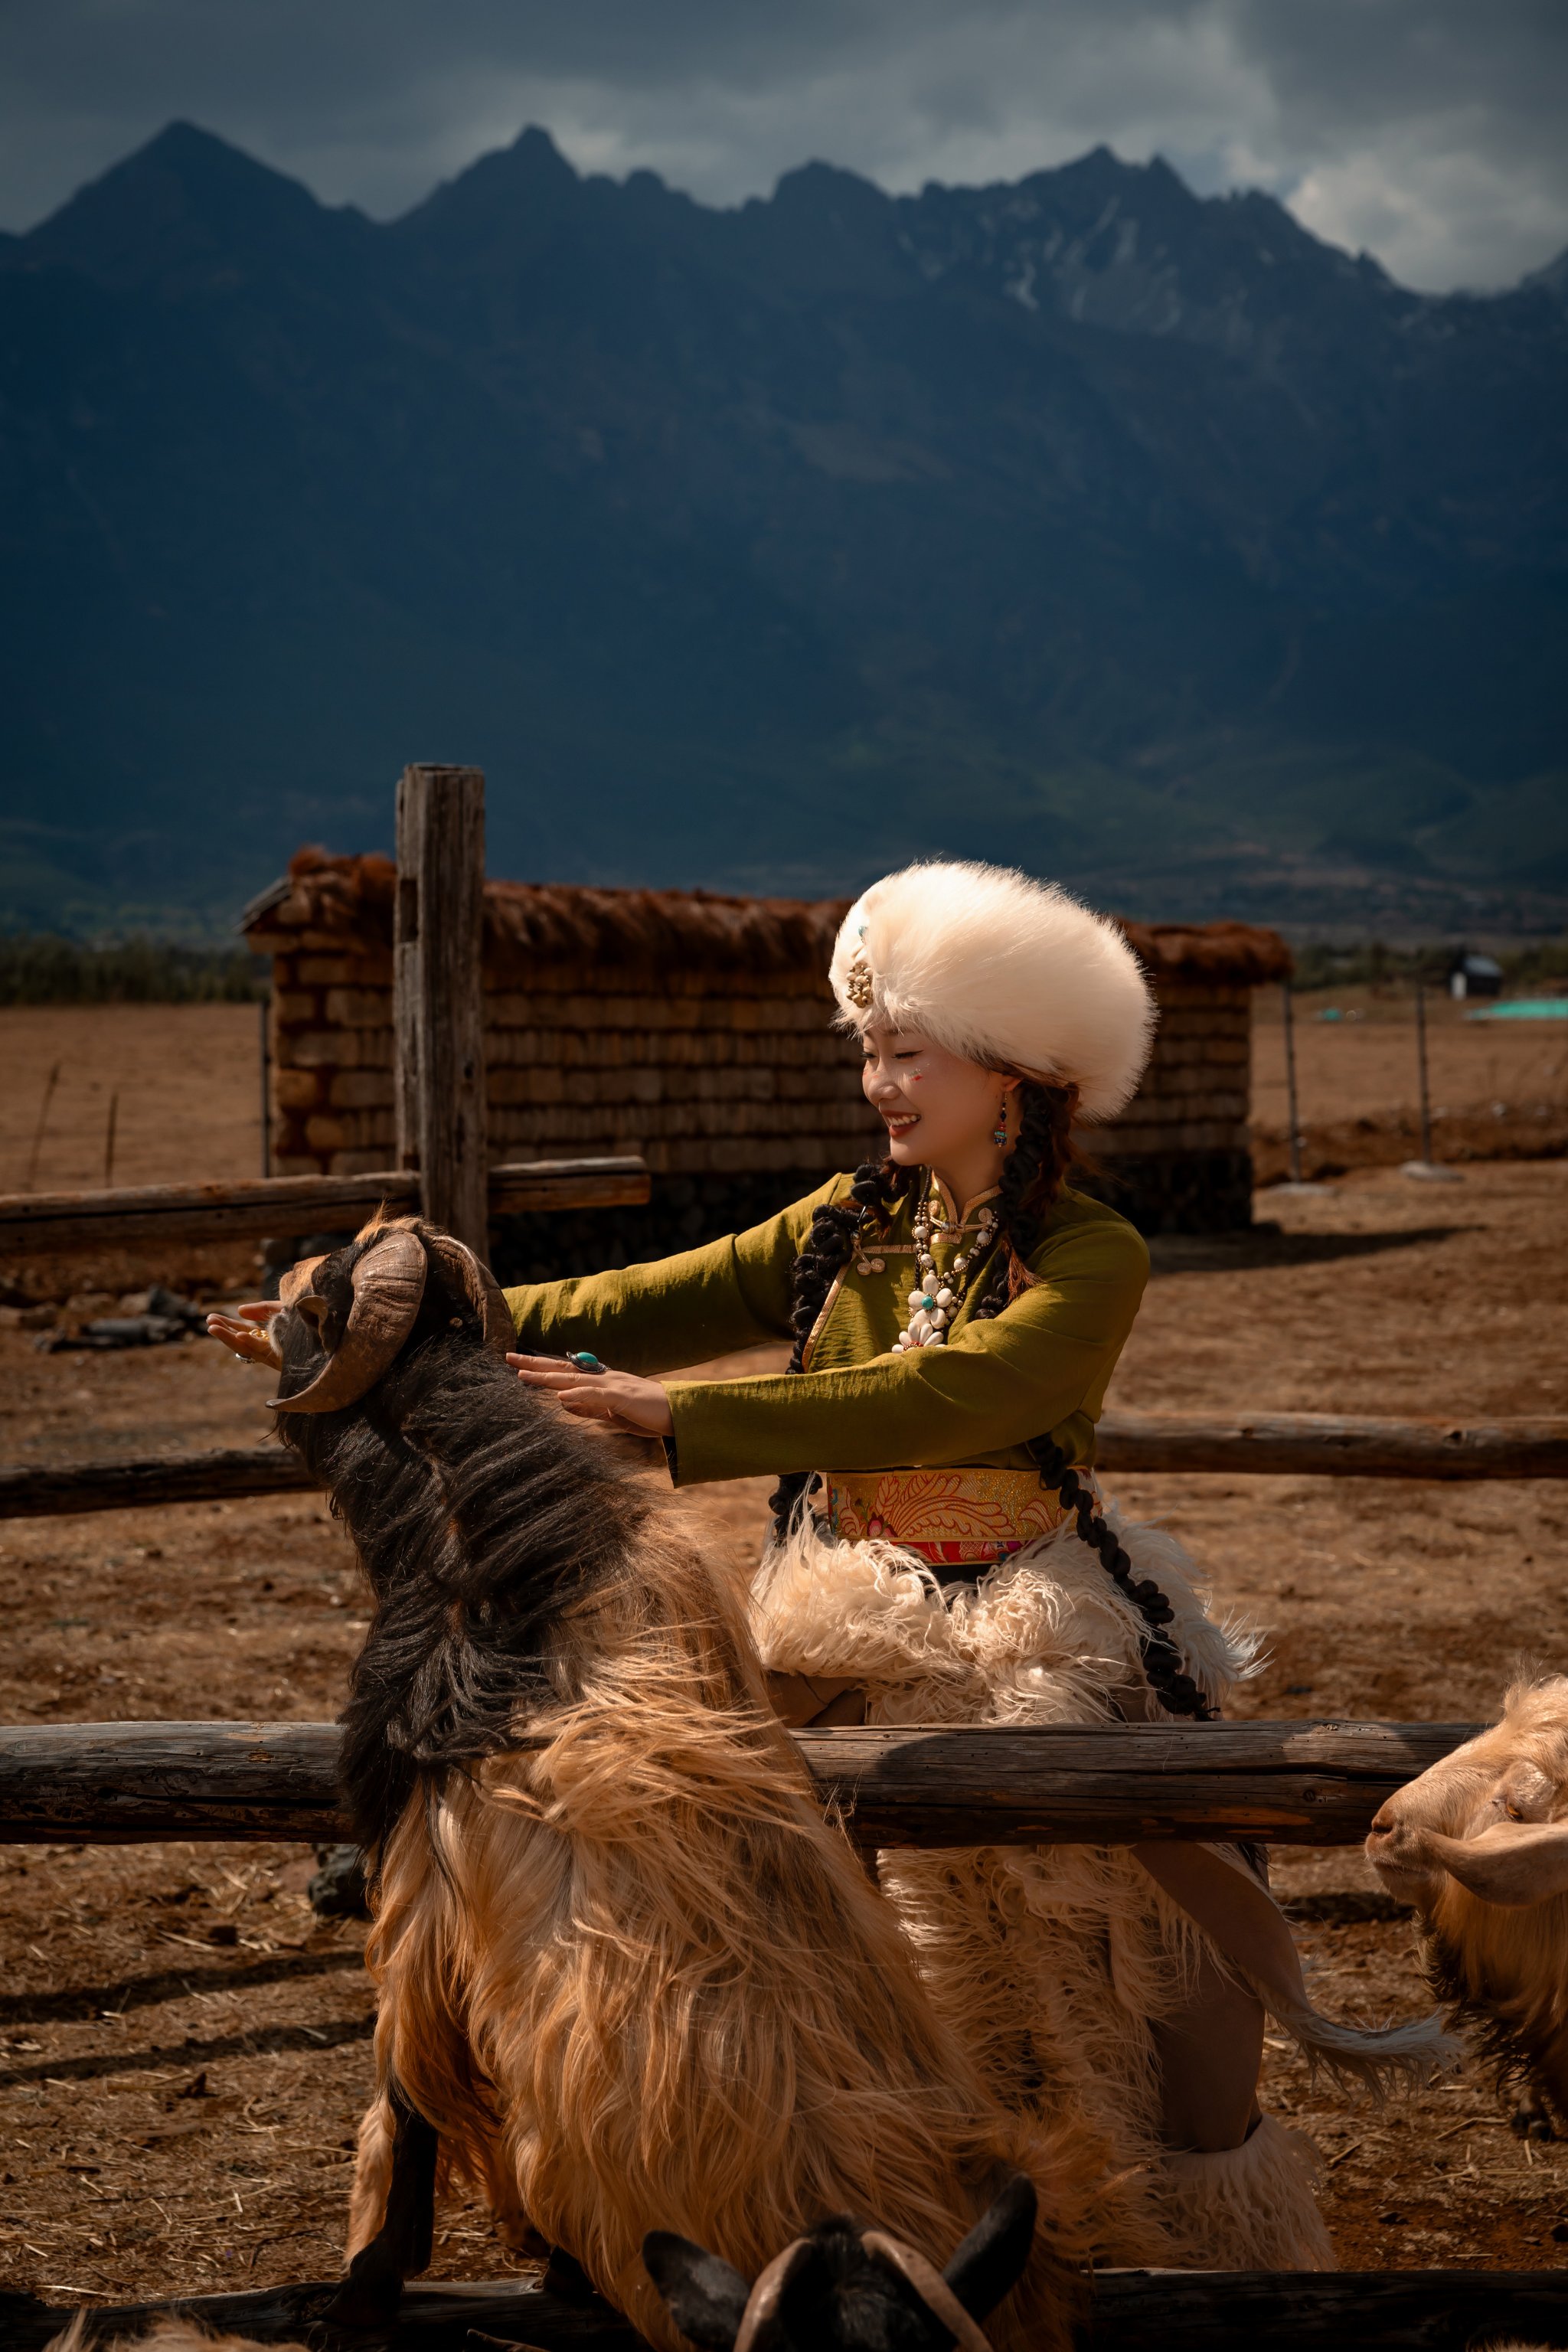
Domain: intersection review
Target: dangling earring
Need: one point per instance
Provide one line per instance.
(999, 1132)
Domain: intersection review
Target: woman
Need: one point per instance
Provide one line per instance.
(940, 1554)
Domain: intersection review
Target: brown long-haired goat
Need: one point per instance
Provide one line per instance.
(629, 1980)
(1479, 1844)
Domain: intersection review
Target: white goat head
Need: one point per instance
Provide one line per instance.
(1479, 1845)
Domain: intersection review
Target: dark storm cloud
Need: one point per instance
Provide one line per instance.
(1429, 130)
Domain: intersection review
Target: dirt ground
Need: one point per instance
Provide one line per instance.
(184, 2047)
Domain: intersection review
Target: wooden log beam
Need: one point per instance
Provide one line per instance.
(438, 994)
(1292, 1783)
(1519, 1449)
(1127, 2311)
(1332, 1445)
(145, 1216)
(156, 1479)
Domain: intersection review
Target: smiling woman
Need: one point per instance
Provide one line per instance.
(942, 1552)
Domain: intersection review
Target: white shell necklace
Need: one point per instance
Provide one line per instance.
(936, 1297)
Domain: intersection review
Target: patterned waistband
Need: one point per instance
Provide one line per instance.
(948, 1519)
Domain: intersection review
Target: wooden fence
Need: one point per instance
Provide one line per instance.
(1296, 1444)
(1303, 1783)
(1291, 1783)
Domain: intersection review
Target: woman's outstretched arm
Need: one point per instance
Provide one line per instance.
(702, 1303)
(1041, 1366)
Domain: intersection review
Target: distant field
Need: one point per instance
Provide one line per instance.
(188, 1077)
(1357, 1066)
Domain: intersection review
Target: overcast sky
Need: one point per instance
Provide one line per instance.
(1430, 132)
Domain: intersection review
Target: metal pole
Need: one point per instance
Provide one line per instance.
(1421, 1064)
(264, 1008)
(1290, 1083)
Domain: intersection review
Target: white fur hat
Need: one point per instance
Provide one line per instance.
(1001, 969)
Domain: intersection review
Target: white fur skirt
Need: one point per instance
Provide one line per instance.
(1055, 1963)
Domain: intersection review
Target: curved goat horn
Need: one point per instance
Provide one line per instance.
(930, 2286)
(766, 2289)
(388, 1284)
(479, 1287)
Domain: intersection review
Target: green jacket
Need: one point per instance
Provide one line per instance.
(1041, 1366)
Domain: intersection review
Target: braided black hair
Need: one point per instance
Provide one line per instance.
(1032, 1178)
(1032, 1175)
(835, 1231)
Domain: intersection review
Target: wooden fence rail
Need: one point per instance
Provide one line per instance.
(1292, 1783)
(254, 1208)
(1126, 2311)
(1304, 1444)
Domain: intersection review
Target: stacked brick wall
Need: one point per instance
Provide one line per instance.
(702, 1073)
(732, 1085)
(1179, 1158)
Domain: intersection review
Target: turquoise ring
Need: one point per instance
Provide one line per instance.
(586, 1361)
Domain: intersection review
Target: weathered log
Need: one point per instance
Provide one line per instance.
(1127, 2311)
(157, 1479)
(1332, 1445)
(142, 1216)
(1294, 1783)
(1306, 1443)
(437, 1004)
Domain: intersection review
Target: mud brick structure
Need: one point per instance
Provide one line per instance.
(695, 1029)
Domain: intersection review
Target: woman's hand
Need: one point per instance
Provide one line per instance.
(620, 1399)
(247, 1333)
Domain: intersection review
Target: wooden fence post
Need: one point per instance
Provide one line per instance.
(438, 995)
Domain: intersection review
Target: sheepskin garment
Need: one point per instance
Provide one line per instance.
(1054, 1961)
(1006, 971)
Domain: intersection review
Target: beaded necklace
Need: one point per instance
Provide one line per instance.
(936, 1298)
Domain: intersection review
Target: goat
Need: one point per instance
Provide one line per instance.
(844, 2289)
(628, 1977)
(1478, 1843)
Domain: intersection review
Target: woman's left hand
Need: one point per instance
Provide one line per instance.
(639, 1407)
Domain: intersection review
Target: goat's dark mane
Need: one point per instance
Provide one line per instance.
(481, 1518)
(1501, 2040)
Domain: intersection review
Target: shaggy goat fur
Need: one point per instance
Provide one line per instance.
(1005, 972)
(169, 2334)
(625, 1969)
(1054, 1963)
(1502, 1969)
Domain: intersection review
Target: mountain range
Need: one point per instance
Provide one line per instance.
(1141, 539)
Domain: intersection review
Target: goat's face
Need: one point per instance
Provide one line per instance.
(342, 1319)
(844, 2289)
(1493, 1817)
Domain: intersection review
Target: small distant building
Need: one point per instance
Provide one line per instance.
(694, 1028)
(1470, 974)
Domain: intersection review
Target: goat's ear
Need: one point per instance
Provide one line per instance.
(1513, 1862)
(991, 2259)
(706, 2298)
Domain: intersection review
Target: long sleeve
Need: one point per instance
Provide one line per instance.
(733, 1293)
(1042, 1365)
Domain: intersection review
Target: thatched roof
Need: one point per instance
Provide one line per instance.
(694, 929)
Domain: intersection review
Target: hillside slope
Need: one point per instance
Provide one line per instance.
(1139, 537)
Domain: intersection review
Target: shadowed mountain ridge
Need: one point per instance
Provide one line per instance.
(1138, 537)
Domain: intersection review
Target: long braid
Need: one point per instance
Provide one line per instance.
(1031, 1178)
(834, 1229)
(1032, 1175)
(1174, 1688)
